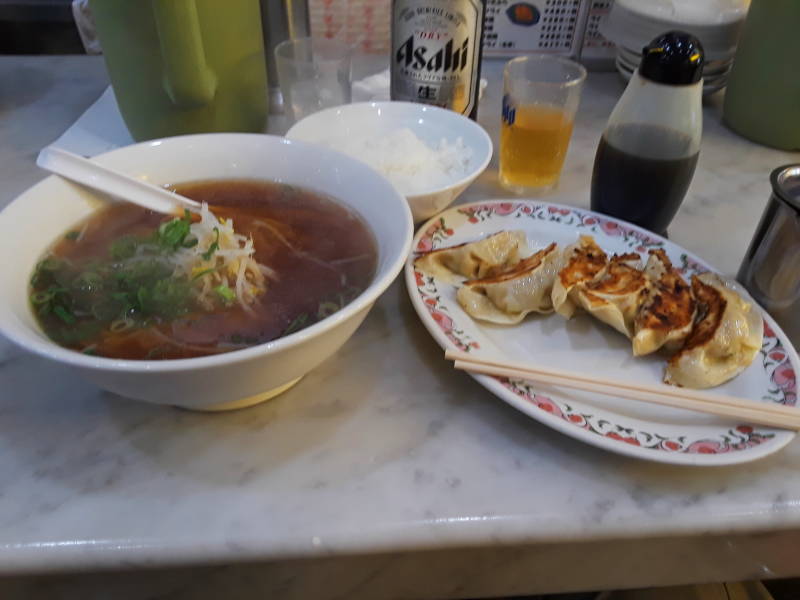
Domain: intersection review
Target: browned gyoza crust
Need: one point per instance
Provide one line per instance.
(671, 305)
(618, 279)
(711, 307)
(526, 265)
(586, 262)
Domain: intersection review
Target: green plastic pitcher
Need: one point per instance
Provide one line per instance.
(762, 100)
(185, 66)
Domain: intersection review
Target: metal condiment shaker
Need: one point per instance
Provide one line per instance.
(771, 267)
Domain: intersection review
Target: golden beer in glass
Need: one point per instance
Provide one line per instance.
(541, 95)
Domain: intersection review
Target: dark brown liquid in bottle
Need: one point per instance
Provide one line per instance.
(641, 174)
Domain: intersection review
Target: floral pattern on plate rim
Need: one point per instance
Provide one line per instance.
(775, 359)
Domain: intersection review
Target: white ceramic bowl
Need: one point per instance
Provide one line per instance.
(429, 123)
(38, 216)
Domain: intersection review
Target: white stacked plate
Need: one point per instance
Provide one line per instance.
(632, 24)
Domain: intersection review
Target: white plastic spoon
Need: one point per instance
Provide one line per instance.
(86, 172)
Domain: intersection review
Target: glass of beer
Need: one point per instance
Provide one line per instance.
(540, 98)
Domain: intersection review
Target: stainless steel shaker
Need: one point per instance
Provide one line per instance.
(771, 267)
(281, 20)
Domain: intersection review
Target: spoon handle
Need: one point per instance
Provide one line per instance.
(89, 173)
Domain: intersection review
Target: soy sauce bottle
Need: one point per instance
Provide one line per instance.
(648, 152)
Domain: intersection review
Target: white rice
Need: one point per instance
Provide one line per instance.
(409, 163)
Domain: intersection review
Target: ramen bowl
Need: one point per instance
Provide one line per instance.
(358, 128)
(30, 224)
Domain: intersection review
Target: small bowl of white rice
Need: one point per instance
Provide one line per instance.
(429, 154)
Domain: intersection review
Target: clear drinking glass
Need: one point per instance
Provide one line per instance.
(540, 97)
(313, 74)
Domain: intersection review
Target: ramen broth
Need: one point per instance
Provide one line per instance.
(318, 254)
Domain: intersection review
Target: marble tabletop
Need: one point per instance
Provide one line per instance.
(383, 460)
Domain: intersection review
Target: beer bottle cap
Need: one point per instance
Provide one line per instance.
(673, 58)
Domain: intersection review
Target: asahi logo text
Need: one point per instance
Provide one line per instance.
(446, 59)
(435, 52)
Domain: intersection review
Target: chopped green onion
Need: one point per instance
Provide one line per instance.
(226, 293)
(123, 248)
(88, 281)
(203, 273)
(72, 235)
(326, 309)
(172, 234)
(141, 296)
(296, 325)
(63, 314)
(213, 247)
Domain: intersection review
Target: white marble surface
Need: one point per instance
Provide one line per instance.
(405, 477)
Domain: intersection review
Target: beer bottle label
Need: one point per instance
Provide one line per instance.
(435, 52)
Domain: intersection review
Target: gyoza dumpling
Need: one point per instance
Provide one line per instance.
(725, 339)
(615, 295)
(580, 262)
(508, 296)
(475, 259)
(666, 316)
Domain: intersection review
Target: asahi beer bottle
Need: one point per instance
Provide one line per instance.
(436, 53)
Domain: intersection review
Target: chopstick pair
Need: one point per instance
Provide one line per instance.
(772, 415)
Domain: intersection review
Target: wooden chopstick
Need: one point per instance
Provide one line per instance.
(772, 415)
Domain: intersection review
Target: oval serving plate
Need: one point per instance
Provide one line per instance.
(583, 344)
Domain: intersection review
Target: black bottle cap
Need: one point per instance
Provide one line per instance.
(674, 58)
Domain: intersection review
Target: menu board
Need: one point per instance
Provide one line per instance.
(596, 50)
(515, 27)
